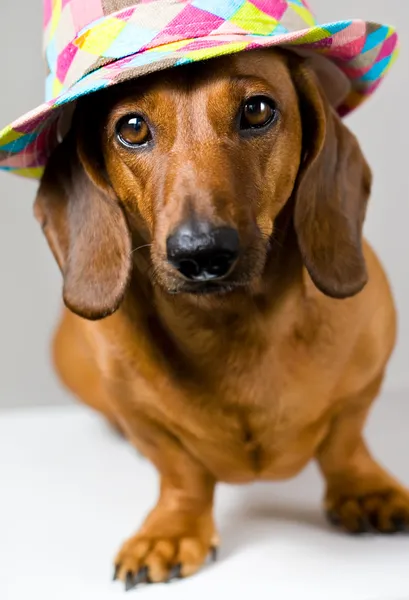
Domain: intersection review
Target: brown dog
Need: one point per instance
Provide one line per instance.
(217, 210)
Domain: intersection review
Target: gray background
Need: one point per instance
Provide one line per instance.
(30, 281)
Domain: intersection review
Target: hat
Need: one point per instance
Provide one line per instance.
(94, 44)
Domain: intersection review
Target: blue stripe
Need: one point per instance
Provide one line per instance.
(49, 94)
(377, 70)
(375, 38)
(336, 27)
(224, 9)
(52, 56)
(82, 88)
(20, 144)
(279, 29)
(130, 40)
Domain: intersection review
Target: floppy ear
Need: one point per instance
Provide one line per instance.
(87, 233)
(332, 191)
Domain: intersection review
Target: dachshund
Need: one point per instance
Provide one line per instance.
(222, 309)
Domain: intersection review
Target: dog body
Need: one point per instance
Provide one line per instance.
(252, 379)
(250, 390)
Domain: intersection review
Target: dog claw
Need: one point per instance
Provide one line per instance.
(399, 524)
(116, 573)
(333, 518)
(214, 554)
(142, 576)
(362, 527)
(130, 582)
(175, 573)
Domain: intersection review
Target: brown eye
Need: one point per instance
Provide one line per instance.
(258, 112)
(133, 131)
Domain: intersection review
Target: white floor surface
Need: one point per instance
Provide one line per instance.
(71, 491)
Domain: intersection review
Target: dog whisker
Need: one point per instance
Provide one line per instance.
(140, 248)
(276, 241)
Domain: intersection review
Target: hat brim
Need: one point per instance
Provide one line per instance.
(361, 51)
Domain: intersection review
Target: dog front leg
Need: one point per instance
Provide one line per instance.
(179, 533)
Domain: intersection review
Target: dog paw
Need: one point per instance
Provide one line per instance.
(156, 559)
(380, 512)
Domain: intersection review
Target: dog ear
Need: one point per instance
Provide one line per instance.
(87, 232)
(331, 194)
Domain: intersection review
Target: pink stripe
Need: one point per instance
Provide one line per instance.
(30, 126)
(348, 51)
(354, 72)
(30, 121)
(323, 44)
(122, 62)
(273, 9)
(65, 60)
(47, 11)
(38, 145)
(200, 44)
(127, 14)
(15, 161)
(199, 21)
(388, 47)
(84, 12)
(355, 33)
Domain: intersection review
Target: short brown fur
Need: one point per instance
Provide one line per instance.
(253, 383)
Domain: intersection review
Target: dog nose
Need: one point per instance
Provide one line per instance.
(203, 253)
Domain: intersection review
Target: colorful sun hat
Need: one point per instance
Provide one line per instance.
(94, 44)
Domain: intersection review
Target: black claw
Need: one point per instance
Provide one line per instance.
(175, 573)
(116, 573)
(214, 554)
(333, 518)
(142, 576)
(129, 582)
(373, 521)
(387, 532)
(362, 527)
(399, 524)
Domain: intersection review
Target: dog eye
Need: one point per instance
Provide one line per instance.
(258, 112)
(133, 131)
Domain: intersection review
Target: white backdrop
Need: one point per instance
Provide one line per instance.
(30, 281)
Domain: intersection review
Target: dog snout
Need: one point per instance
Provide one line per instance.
(201, 252)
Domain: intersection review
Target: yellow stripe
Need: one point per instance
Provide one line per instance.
(251, 19)
(205, 53)
(315, 35)
(304, 14)
(172, 46)
(8, 135)
(30, 172)
(57, 87)
(98, 39)
(392, 60)
(55, 18)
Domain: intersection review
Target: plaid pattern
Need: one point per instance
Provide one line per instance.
(93, 44)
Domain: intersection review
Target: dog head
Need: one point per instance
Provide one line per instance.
(196, 165)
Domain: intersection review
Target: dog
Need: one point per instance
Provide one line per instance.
(222, 308)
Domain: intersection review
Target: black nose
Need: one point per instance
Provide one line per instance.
(202, 253)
